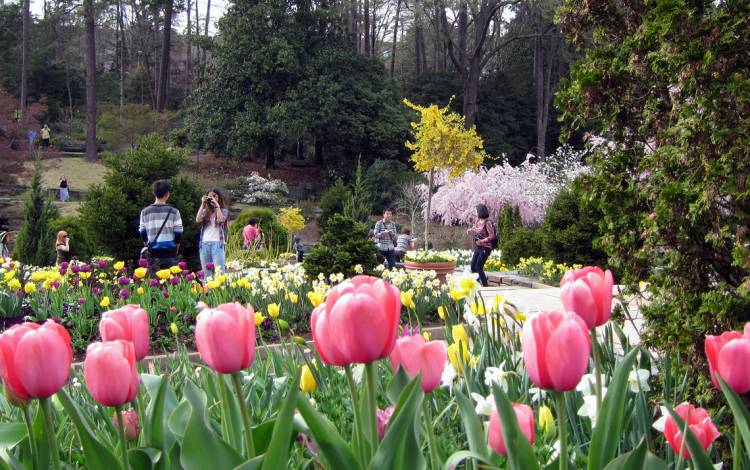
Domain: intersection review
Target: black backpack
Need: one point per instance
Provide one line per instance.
(494, 241)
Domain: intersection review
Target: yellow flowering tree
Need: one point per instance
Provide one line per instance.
(442, 143)
(292, 220)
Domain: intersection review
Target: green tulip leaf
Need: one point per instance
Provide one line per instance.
(458, 457)
(638, 459)
(44, 457)
(472, 425)
(400, 380)
(277, 454)
(332, 446)
(520, 453)
(178, 419)
(144, 458)
(739, 411)
(12, 434)
(397, 450)
(608, 430)
(700, 458)
(253, 464)
(201, 447)
(96, 452)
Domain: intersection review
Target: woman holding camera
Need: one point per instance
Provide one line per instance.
(212, 215)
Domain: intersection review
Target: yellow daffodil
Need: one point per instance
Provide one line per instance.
(407, 300)
(173, 328)
(547, 421)
(458, 294)
(459, 334)
(273, 310)
(118, 265)
(498, 303)
(441, 312)
(105, 302)
(140, 273)
(307, 380)
(140, 291)
(358, 269)
(163, 274)
(520, 316)
(259, 318)
(14, 284)
(175, 270)
(426, 335)
(29, 288)
(293, 298)
(477, 308)
(458, 354)
(468, 283)
(316, 298)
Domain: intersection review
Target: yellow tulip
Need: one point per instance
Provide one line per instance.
(458, 354)
(293, 298)
(85, 275)
(315, 298)
(118, 265)
(441, 312)
(273, 310)
(459, 334)
(173, 328)
(14, 284)
(307, 380)
(140, 273)
(213, 284)
(407, 300)
(426, 335)
(105, 302)
(12, 274)
(259, 318)
(175, 270)
(547, 421)
(140, 291)
(163, 274)
(29, 288)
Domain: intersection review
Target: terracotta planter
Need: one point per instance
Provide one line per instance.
(442, 269)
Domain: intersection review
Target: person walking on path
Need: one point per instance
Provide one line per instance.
(45, 136)
(212, 215)
(62, 247)
(385, 237)
(160, 228)
(64, 193)
(485, 239)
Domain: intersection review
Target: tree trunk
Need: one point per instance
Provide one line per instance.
(395, 39)
(539, 79)
(208, 20)
(353, 24)
(428, 216)
(367, 26)
(162, 94)
(418, 39)
(319, 151)
(373, 35)
(121, 40)
(89, 20)
(471, 90)
(189, 63)
(25, 20)
(146, 62)
(270, 156)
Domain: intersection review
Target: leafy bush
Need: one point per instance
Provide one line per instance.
(333, 202)
(516, 241)
(275, 236)
(382, 181)
(82, 243)
(344, 244)
(35, 237)
(111, 209)
(570, 228)
(136, 121)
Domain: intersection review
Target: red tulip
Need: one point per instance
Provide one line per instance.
(130, 422)
(588, 292)
(556, 348)
(417, 356)
(128, 323)
(525, 417)
(358, 322)
(225, 337)
(729, 355)
(35, 359)
(110, 372)
(699, 423)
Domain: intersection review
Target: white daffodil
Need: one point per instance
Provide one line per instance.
(484, 404)
(659, 423)
(536, 394)
(449, 375)
(589, 409)
(638, 380)
(587, 385)
(471, 320)
(496, 375)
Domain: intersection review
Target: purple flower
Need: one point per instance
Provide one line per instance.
(55, 284)
(62, 270)
(101, 264)
(124, 281)
(81, 301)
(174, 280)
(199, 274)
(96, 291)
(165, 293)
(75, 268)
(85, 268)
(143, 263)
(210, 266)
(124, 293)
(173, 309)
(19, 293)
(57, 319)
(409, 331)
(153, 282)
(182, 265)
(190, 277)
(384, 416)
(63, 265)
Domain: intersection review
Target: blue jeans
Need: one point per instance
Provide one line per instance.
(212, 252)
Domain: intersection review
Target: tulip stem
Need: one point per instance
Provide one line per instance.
(737, 451)
(597, 369)
(370, 371)
(32, 438)
(245, 419)
(49, 430)
(123, 440)
(562, 419)
(227, 429)
(357, 430)
(434, 453)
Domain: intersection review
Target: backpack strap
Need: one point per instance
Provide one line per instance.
(169, 214)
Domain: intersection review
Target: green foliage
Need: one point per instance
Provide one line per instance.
(136, 120)
(275, 236)
(344, 244)
(35, 237)
(333, 201)
(82, 244)
(570, 229)
(672, 186)
(515, 240)
(357, 205)
(382, 180)
(111, 209)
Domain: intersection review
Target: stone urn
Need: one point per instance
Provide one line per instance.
(441, 268)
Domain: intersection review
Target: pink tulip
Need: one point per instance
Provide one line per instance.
(358, 322)
(417, 356)
(698, 421)
(35, 359)
(225, 337)
(729, 355)
(384, 418)
(588, 292)
(525, 417)
(130, 423)
(556, 348)
(128, 323)
(110, 372)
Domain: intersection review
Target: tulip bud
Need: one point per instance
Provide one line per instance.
(173, 328)
(300, 340)
(130, 423)
(283, 325)
(307, 380)
(547, 422)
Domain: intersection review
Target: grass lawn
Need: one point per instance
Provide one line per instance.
(80, 173)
